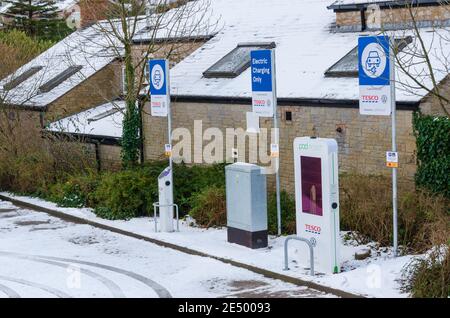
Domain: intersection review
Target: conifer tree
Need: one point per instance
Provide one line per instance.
(37, 18)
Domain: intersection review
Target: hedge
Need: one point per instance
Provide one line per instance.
(433, 153)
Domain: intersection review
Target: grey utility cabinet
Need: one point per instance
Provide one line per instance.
(246, 205)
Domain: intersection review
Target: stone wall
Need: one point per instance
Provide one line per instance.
(109, 156)
(18, 126)
(431, 104)
(391, 17)
(102, 87)
(363, 140)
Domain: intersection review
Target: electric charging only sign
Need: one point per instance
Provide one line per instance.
(374, 75)
(262, 82)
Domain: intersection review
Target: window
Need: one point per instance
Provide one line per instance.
(288, 116)
(104, 114)
(235, 62)
(58, 79)
(146, 29)
(348, 65)
(22, 77)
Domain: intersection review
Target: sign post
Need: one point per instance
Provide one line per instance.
(160, 107)
(160, 96)
(264, 103)
(377, 97)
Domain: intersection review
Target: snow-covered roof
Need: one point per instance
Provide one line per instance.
(88, 48)
(4, 6)
(93, 48)
(194, 20)
(101, 121)
(306, 47)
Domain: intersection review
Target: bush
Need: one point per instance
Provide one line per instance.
(209, 207)
(191, 180)
(129, 193)
(30, 164)
(433, 153)
(17, 48)
(288, 222)
(124, 194)
(76, 192)
(429, 276)
(366, 207)
(26, 173)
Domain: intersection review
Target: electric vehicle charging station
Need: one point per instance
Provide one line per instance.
(165, 191)
(160, 107)
(317, 200)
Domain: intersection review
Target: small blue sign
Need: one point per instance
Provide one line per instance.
(373, 60)
(261, 64)
(158, 78)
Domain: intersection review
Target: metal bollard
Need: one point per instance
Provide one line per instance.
(311, 252)
(156, 205)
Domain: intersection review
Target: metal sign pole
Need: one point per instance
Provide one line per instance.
(376, 86)
(394, 146)
(264, 103)
(169, 126)
(169, 116)
(277, 140)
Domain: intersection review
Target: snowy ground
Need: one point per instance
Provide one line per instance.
(44, 256)
(376, 276)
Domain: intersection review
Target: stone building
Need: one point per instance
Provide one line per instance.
(362, 15)
(75, 74)
(100, 127)
(317, 87)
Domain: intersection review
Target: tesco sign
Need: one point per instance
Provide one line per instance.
(374, 69)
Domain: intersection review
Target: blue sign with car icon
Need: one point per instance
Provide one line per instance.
(373, 61)
(373, 64)
(157, 77)
(157, 72)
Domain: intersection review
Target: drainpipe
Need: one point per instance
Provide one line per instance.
(363, 19)
(42, 119)
(97, 155)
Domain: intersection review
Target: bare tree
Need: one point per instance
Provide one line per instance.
(170, 31)
(422, 51)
